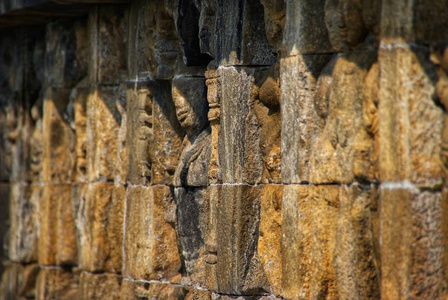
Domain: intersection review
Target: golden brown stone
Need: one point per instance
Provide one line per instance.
(99, 286)
(57, 284)
(101, 228)
(150, 249)
(309, 216)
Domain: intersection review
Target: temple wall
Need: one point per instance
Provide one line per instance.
(241, 149)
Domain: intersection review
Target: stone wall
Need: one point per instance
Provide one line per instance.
(246, 149)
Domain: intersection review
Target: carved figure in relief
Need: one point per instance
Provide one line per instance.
(191, 176)
(266, 106)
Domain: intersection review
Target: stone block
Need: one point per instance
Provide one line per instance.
(305, 30)
(99, 286)
(309, 218)
(298, 79)
(412, 242)
(238, 268)
(134, 290)
(366, 143)
(357, 253)
(168, 134)
(269, 240)
(155, 45)
(140, 133)
(410, 123)
(58, 284)
(19, 281)
(419, 21)
(101, 228)
(338, 117)
(107, 44)
(5, 202)
(57, 232)
(23, 231)
(66, 52)
(240, 35)
(239, 146)
(59, 137)
(150, 248)
(103, 123)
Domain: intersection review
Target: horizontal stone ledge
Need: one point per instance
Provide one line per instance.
(32, 12)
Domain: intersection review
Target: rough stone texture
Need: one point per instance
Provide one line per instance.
(103, 121)
(57, 284)
(150, 250)
(238, 268)
(242, 149)
(145, 290)
(309, 232)
(409, 146)
(101, 228)
(5, 190)
(57, 231)
(59, 138)
(305, 31)
(412, 248)
(239, 132)
(269, 240)
(23, 234)
(99, 286)
(107, 35)
(357, 260)
(298, 78)
(338, 118)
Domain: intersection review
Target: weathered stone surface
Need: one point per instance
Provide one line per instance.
(59, 138)
(140, 134)
(66, 53)
(155, 46)
(239, 146)
(135, 290)
(57, 284)
(103, 121)
(274, 21)
(309, 231)
(5, 191)
(419, 21)
(298, 79)
(356, 258)
(167, 132)
(305, 31)
(366, 144)
(410, 123)
(214, 115)
(412, 242)
(78, 97)
(24, 203)
(150, 249)
(344, 22)
(238, 269)
(338, 117)
(101, 228)
(57, 231)
(99, 286)
(241, 37)
(269, 240)
(107, 47)
(266, 106)
(19, 281)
